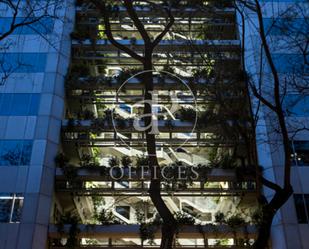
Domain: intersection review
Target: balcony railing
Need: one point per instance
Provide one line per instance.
(133, 231)
(94, 173)
(152, 247)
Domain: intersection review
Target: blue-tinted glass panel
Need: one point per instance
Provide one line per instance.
(5, 104)
(286, 26)
(20, 104)
(301, 151)
(284, 1)
(300, 208)
(15, 152)
(5, 209)
(43, 26)
(26, 153)
(34, 105)
(23, 62)
(296, 105)
(10, 153)
(290, 63)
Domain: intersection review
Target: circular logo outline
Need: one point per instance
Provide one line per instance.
(168, 73)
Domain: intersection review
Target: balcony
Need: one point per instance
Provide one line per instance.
(151, 247)
(94, 173)
(146, 11)
(104, 183)
(163, 46)
(132, 231)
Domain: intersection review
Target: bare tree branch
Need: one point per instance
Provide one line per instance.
(166, 29)
(140, 27)
(102, 7)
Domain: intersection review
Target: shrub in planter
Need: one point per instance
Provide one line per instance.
(187, 114)
(184, 219)
(147, 232)
(126, 161)
(85, 160)
(68, 218)
(235, 221)
(106, 217)
(87, 114)
(225, 162)
(80, 70)
(71, 124)
(61, 160)
(219, 217)
(141, 161)
(113, 162)
(121, 122)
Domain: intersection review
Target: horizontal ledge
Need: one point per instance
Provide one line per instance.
(143, 192)
(133, 231)
(94, 173)
(151, 247)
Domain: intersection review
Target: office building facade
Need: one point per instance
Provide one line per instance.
(73, 151)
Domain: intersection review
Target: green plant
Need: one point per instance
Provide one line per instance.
(141, 161)
(61, 160)
(85, 160)
(235, 221)
(147, 232)
(223, 162)
(222, 242)
(80, 70)
(106, 217)
(220, 217)
(187, 114)
(184, 219)
(70, 173)
(70, 124)
(257, 216)
(97, 201)
(121, 122)
(80, 35)
(88, 114)
(113, 162)
(72, 220)
(126, 161)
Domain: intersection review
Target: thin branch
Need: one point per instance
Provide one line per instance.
(101, 6)
(270, 184)
(277, 98)
(166, 29)
(261, 98)
(140, 27)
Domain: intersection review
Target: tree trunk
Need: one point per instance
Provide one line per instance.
(269, 211)
(169, 223)
(264, 230)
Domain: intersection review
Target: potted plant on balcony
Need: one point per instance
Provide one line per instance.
(88, 114)
(186, 114)
(106, 218)
(72, 220)
(126, 161)
(61, 160)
